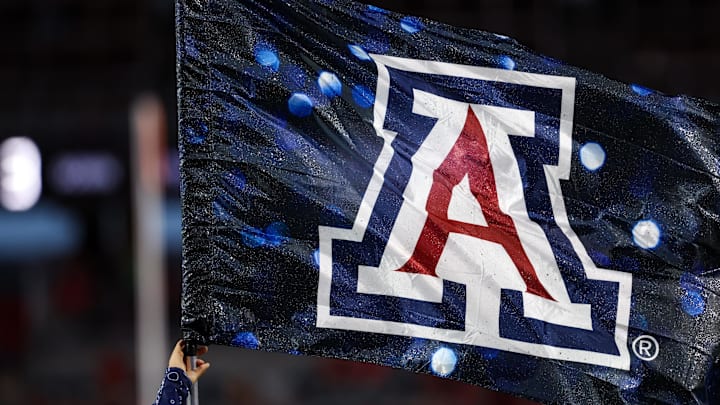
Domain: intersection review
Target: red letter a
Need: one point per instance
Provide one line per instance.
(469, 156)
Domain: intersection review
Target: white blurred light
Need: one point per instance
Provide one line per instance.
(592, 156)
(646, 234)
(20, 174)
(443, 361)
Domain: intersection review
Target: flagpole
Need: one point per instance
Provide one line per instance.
(190, 350)
(151, 318)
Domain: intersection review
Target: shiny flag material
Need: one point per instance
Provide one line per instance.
(365, 185)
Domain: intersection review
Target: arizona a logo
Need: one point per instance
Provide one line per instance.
(462, 235)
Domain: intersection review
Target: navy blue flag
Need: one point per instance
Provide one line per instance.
(365, 185)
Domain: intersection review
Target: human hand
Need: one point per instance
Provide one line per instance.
(178, 359)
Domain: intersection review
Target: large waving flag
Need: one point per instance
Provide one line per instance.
(364, 185)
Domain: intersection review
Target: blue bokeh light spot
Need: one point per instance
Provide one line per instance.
(266, 56)
(692, 300)
(363, 96)
(300, 105)
(641, 90)
(551, 62)
(335, 210)
(191, 47)
(359, 52)
(252, 237)
(443, 361)
(246, 340)
(646, 234)
(329, 84)
(601, 259)
(638, 321)
(489, 353)
(316, 257)
(507, 62)
(693, 303)
(276, 233)
(375, 9)
(237, 179)
(220, 212)
(287, 141)
(411, 25)
(196, 134)
(689, 281)
(629, 382)
(592, 156)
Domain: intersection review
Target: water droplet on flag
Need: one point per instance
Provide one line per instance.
(507, 62)
(641, 90)
(646, 234)
(329, 84)
(411, 25)
(300, 105)
(443, 361)
(359, 52)
(246, 340)
(267, 57)
(592, 156)
(363, 96)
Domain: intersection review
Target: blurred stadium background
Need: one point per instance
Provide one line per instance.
(79, 77)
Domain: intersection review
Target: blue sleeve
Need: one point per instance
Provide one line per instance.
(174, 389)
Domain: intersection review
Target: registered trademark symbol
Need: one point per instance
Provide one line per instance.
(646, 347)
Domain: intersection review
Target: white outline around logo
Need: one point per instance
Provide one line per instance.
(553, 174)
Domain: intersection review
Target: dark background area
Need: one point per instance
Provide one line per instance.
(69, 72)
